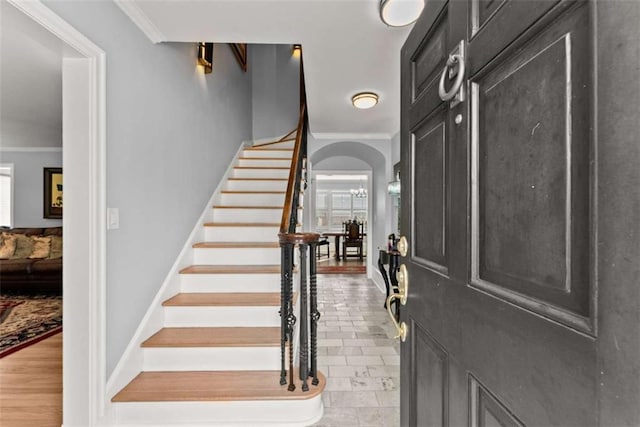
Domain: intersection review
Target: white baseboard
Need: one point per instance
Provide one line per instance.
(376, 276)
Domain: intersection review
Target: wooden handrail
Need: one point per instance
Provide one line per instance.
(284, 138)
(285, 222)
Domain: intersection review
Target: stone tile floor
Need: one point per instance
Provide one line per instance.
(357, 354)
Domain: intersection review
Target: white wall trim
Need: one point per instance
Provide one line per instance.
(141, 20)
(12, 207)
(31, 149)
(92, 381)
(350, 136)
(377, 279)
(131, 362)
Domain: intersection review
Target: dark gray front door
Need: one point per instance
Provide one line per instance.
(521, 209)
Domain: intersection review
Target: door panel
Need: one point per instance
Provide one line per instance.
(510, 20)
(486, 410)
(430, 213)
(429, 58)
(501, 209)
(431, 383)
(426, 64)
(530, 168)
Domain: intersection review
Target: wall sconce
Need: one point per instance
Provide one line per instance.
(398, 13)
(205, 56)
(297, 50)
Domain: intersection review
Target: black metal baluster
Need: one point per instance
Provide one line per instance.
(304, 340)
(284, 274)
(315, 315)
(291, 318)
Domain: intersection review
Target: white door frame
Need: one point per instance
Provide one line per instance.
(84, 223)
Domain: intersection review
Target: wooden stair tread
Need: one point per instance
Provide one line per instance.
(231, 269)
(258, 148)
(251, 192)
(257, 179)
(242, 224)
(246, 207)
(265, 158)
(236, 245)
(263, 167)
(214, 386)
(215, 337)
(231, 299)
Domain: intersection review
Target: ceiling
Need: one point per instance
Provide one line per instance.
(346, 47)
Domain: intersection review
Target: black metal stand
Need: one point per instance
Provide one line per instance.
(390, 280)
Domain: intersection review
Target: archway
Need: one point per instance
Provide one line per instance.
(362, 155)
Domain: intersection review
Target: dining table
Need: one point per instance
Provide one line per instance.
(337, 235)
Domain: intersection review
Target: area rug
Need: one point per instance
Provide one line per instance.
(25, 320)
(341, 269)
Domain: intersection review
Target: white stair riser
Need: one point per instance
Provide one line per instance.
(247, 215)
(273, 162)
(260, 173)
(241, 234)
(236, 256)
(255, 185)
(268, 153)
(230, 282)
(252, 199)
(281, 413)
(184, 317)
(211, 358)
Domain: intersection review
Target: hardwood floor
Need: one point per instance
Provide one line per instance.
(31, 385)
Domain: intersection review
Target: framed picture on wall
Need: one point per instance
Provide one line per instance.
(53, 193)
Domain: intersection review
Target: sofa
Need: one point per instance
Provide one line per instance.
(31, 260)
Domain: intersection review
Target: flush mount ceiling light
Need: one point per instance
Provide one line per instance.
(364, 100)
(398, 13)
(297, 49)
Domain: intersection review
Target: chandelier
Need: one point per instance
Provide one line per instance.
(359, 193)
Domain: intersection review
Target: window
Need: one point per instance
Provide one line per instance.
(6, 195)
(334, 207)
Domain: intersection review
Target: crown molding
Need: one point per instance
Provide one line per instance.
(142, 21)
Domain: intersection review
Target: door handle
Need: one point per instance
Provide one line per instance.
(400, 292)
(401, 328)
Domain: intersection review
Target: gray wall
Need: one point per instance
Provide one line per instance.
(25, 133)
(276, 89)
(341, 163)
(171, 133)
(28, 186)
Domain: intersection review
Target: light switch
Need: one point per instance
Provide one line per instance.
(113, 218)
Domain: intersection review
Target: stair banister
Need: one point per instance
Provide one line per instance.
(289, 240)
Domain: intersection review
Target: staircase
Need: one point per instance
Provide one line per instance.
(217, 358)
